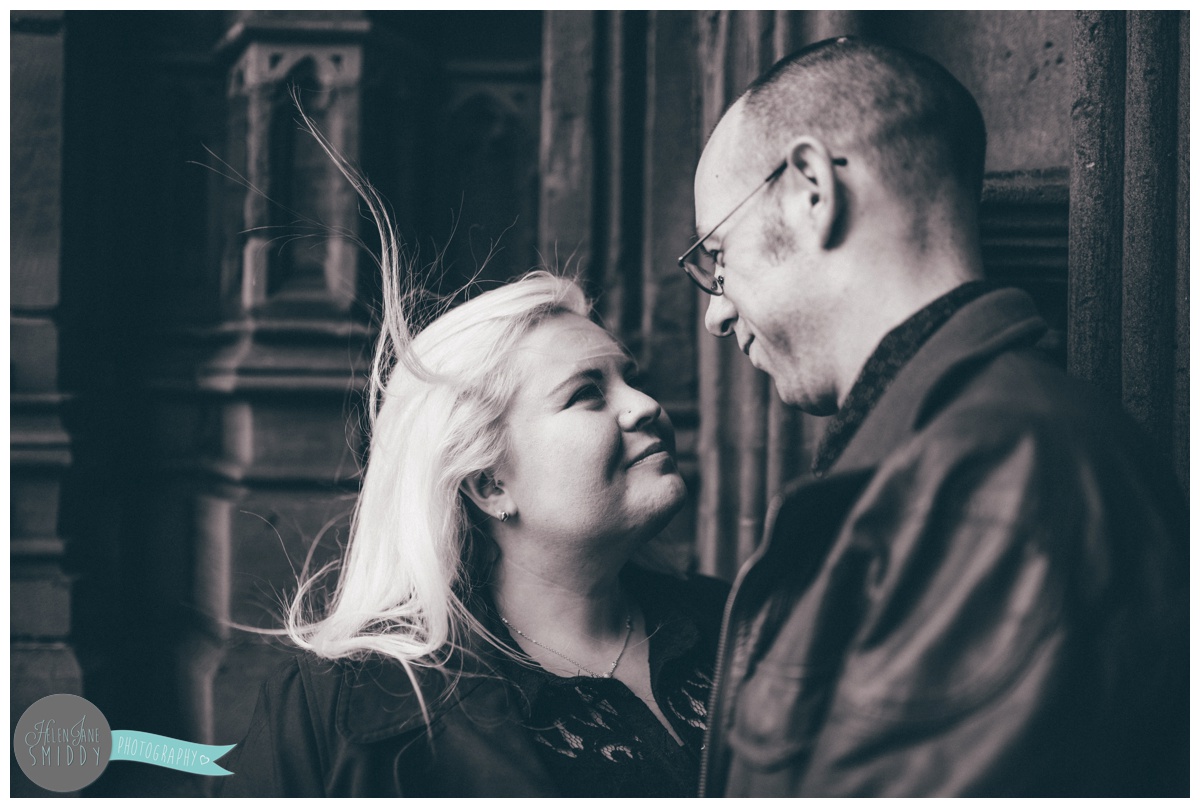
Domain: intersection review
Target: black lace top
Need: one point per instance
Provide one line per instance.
(596, 737)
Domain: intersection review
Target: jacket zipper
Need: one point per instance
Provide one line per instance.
(718, 674)
(712, 698)
(721, 668)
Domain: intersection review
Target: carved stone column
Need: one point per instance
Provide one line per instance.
(280, 379)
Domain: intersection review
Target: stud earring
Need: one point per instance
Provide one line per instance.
(503, 516)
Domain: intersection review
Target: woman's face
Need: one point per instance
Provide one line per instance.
(591, 459)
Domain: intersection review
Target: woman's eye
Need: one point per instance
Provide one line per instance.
(633, 377)
(589, 392)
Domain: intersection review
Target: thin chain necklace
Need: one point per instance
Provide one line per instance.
(611, 668)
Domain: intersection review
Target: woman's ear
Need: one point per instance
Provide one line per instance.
(489, 495)
(816, 185)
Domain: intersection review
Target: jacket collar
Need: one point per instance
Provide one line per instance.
(985, 327)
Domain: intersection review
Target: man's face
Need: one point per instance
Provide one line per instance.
(774, 300)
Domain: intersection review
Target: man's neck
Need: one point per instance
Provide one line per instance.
(881, 306)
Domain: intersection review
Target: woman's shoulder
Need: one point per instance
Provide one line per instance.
(290, 733)
(362, 700)
(319, 720)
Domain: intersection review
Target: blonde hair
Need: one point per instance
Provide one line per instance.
(436, 403)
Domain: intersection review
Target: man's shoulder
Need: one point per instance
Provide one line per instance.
(986, 359)
(1056, 439)
(1021, 396)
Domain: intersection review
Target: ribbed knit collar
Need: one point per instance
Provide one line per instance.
(893, 352)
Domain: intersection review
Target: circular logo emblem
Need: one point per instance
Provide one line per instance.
(62, 742)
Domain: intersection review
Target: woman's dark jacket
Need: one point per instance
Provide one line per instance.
(357, 729)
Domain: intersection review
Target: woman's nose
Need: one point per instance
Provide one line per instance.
(639, 410)
(720, 316)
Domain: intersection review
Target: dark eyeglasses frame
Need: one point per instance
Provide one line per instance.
(698, 275)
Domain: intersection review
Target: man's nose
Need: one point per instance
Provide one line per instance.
(720, 316)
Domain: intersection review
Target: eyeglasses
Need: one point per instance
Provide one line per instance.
(702, 269)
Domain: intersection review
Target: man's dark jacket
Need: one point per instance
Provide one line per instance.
(988, 595)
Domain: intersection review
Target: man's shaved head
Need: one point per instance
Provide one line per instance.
(901, 111)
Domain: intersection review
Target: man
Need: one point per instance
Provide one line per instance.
(984, 592)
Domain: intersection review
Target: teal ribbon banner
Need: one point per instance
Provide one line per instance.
(159, 750)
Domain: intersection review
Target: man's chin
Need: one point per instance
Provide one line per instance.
(806, 401)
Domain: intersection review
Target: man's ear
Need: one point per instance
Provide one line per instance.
(816, 185)
(489, 495)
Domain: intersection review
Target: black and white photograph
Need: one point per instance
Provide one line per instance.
(619, 403)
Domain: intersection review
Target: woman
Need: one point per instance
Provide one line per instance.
(488, 634)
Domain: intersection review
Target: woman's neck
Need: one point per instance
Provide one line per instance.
(583, 611)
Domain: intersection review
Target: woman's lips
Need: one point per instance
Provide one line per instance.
(656, 448)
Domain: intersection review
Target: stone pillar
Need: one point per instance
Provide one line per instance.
(1183, 295)
(750, 443)
(620, 140)
(668, 321)
(1129, 218)
(42, 660)
(280, 377)
(1097, 185)
(1148, 305)
(568, 204)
